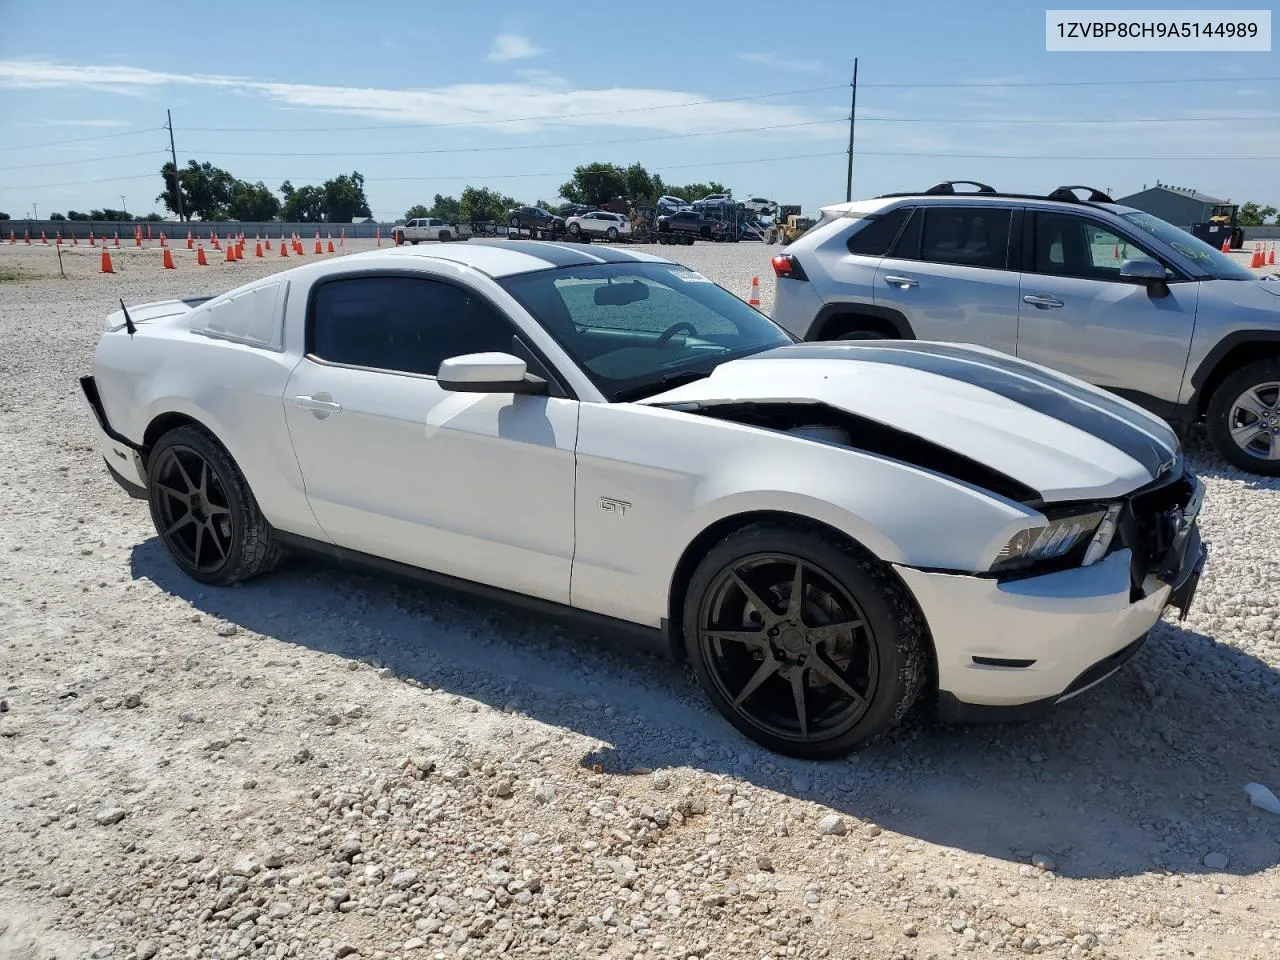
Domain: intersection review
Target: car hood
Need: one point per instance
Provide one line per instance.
(1064, 438)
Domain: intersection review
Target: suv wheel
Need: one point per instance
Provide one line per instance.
(1243, 418)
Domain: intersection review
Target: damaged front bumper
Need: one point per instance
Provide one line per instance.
(1014, 649)
(121, 455)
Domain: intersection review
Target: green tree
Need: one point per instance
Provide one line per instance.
(253, 201)
(56, 216)
(3, 215)
(481, 203)
(694, 191)
(1251, 215)
(595, 183)
(77, 215)
(446, 208)
(302, 204)
(642, 186)
(206, 190)
(416, 212)
(344, 198)
(151, 218)
(111, 215)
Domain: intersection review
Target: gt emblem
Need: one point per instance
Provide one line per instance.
(617, 507)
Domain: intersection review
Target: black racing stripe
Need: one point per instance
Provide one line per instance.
(976, 371)
(1012, 364)
(554, 254)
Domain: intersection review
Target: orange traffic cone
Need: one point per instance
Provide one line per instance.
(331, 243)
(342, 237)
(257, 248)
(231, 254)
(148, 231)
(755, 292)
(59, 239)
(284, 251)
(200, 257)
(91, 243)
(1256, 260)
(117, 243)
(168, 259)
(1226, 244)
(12, 238)
(106, 260)
(213, 241)
(1271, 257)
(163, 241)
(26, 237)
(266, 243)
(319, 249)
(190, 241)
(43, 238)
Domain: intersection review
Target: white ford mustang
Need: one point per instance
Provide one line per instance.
(825, 531)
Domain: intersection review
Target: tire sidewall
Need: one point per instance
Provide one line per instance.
(1219, 409)
(891, 687)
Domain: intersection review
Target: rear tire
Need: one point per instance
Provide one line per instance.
(1243, 418)
(851, 656)
(204, 511)
(445, 236)
(611, 233)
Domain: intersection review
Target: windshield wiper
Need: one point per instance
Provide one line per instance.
(668, 381)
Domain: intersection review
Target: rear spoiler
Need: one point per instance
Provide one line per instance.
(142, 312)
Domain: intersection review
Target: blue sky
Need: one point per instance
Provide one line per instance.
(425, 97)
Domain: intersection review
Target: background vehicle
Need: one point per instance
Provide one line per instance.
(319, 409)
(716, 198)
(600, 223)
(1100, 291)
(691, 222)
(759, 205)
(429, 228)
(536, 219)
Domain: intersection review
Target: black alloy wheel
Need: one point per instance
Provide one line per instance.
(193, 509)
(802, 640)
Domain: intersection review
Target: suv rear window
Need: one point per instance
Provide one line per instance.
(966, 236)
(875, 237)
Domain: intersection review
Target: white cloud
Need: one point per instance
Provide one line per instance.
(782, 62)
(511, 46)
(540, 101)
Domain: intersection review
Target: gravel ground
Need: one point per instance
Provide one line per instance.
(324, 764)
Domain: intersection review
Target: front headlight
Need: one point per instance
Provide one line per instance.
(1062, 535)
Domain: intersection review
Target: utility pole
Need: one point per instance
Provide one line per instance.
(853, 115)
(177, 184)
(35, 208)
(124, 208)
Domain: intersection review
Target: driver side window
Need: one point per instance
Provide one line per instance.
(401, 324)
(1070, 246)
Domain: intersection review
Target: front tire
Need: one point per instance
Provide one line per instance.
(204, 511)
(804, 642)
(1243, 418)
(611, 233)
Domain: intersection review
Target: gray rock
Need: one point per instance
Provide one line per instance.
(544, 792)
(348, 849)
(832, 825)
(191, 716)
(1030, 944)
(911, 930)
(661, 780)
(1044, 861)
(871, 831)
(62, 890)
(958, 924)
(227, 629)
(146, 949)
(353, 711)
(274, 860)
(404, 879)
(302, 756)
(1171, 917)
(1216, 861)
(279, 910)
(764, 863)
(109, 816)
(132, 699)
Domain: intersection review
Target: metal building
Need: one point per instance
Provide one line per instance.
(1181, 206)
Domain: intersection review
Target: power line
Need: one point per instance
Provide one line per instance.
(67, 163)
(1054, 120)
(1068, 83)
(101, 136)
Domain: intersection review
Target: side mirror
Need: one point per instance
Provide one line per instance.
(488, 373)
(1147, 272)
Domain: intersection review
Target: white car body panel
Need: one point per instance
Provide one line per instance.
(593, 504)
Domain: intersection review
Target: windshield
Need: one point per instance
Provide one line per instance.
(637, 329)
(1214, 262)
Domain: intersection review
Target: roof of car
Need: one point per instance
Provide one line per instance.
(499, 257)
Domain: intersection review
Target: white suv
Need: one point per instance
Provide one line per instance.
(1094, 289)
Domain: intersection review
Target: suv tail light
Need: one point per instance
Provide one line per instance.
(785, 265)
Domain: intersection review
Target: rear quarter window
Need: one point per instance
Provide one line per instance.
(876, 236)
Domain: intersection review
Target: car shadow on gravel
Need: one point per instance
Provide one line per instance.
(1144, 773)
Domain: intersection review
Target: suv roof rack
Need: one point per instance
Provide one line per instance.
(1065, 194)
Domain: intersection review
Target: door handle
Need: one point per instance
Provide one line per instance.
(902, 282)
(321, 408)
(1043, 302)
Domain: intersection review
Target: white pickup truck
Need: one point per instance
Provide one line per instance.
(429, 228)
